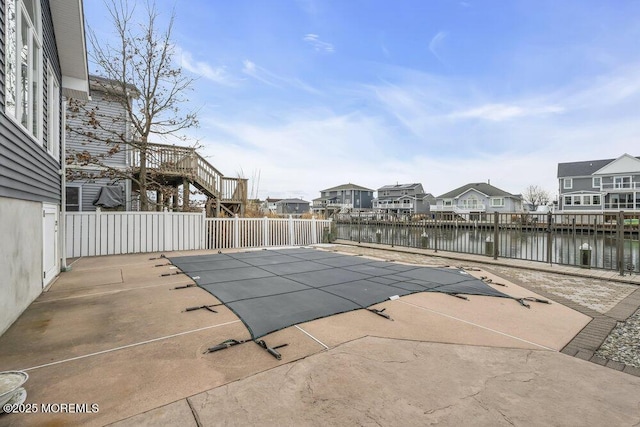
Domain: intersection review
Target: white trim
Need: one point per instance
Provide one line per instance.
(471, 189)
(603, 170)
(495, 199)
(567, 183)
(34, 64)
(593, 182)
(620, 186)
(53, 115)
(50, 250)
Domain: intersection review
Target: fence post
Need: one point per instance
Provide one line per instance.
(236, 231)
(98, 231)
(393, 230)
(165, 231)
(203, 230)
(549, 238)
(435, 232)
(265, 231)
(314, 233)
(620, 242)
(291, 233)
(496, 234)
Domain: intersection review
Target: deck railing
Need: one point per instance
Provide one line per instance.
(608, 241)
(173, 160)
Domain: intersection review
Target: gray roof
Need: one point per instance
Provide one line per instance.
(586, 168)
(399, 186)
(482, 187)
(581, 168)
(348, 186)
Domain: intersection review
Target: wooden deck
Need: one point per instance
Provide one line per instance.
(173, 166)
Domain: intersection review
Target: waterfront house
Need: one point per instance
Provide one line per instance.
(609, 185)
(472, 201)
(343, 197)
(293, 207)
(269, 206)
(403, 199)
(44, 59)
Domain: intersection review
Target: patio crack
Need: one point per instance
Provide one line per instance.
(196, 417)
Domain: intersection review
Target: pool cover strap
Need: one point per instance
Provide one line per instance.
(230, 343)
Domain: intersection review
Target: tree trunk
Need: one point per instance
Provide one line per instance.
(144, 200)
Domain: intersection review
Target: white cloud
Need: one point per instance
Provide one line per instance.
(317, 44)
(265, 76)
(216, 74)
(436, 43)
(252, 70)
(501, 112)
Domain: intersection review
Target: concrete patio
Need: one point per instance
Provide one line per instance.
(114, 332)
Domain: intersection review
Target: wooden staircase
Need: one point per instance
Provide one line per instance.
(173, 166)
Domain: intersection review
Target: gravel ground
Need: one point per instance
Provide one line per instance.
(623, 343)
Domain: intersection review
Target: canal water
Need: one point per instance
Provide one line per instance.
(596, 250)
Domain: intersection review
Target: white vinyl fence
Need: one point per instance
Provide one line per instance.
(262, 232)
(111, 233)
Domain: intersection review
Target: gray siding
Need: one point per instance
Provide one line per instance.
(361, 199)
(112, 116)
(90, 188)
(292, 208)
(582, 184)
(27, 171)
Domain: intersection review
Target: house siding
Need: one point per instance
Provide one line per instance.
(27, 170)
(30, 191)
(110, 112)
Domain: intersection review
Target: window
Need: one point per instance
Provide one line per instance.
(497, 202)
(447, 202)
(23, 65)
(622, 182)
(53, 115)
(596, 181)
(74, 198)
(568, 183)
(583, 200)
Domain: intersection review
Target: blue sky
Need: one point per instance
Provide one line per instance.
(310, 94)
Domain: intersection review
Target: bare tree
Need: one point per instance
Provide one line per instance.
(139, 73)
(536, 196)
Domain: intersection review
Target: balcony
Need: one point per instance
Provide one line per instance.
(471, 207)
(462, 208)
(391, 205)
(331, 205)
(628, 186)
(622, 206)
